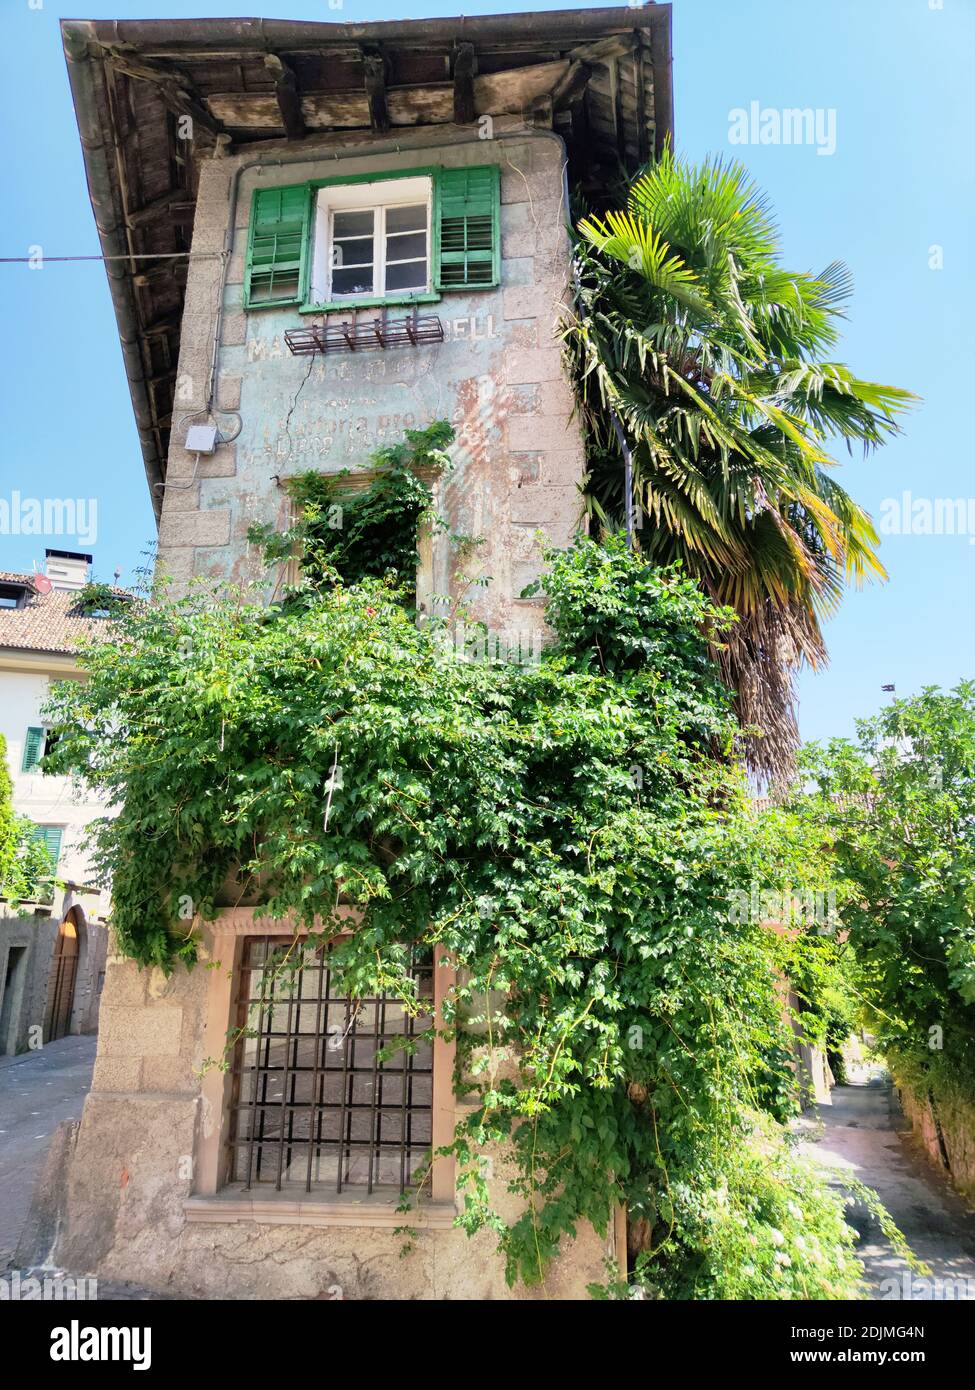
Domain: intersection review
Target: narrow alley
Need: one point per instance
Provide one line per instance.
(37, 1091)
(865, 1134)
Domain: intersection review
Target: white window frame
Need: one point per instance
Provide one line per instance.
(376, 197)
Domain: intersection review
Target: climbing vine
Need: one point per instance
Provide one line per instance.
(350, 536)
(897, 806)
(573, 833)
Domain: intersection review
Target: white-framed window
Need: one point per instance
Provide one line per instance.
(372, 240)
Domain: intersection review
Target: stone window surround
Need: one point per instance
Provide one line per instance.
(358, 482)
(213, 1200)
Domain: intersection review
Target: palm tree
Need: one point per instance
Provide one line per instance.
(692, 346)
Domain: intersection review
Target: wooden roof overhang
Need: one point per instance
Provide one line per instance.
(601, 78)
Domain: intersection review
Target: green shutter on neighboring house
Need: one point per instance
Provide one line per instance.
(33, 744)
(50, 835)
(277, 246)
(467, 235)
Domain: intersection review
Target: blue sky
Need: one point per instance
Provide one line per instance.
(897, 75)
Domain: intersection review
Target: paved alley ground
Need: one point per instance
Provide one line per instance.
(37, 1091)
(864, 1133)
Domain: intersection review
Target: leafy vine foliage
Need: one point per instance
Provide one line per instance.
(570, 832)
(898, 807)
(350, 537)
(25, 864)
(97, 599)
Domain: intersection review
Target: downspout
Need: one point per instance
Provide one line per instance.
(627, 474)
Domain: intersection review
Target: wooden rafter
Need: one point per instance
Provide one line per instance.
(175, 88)
(288, 93)
(465, 65)
(570, 87)
(175, 206)
(374, 66)
(604, 50)
(511, 91)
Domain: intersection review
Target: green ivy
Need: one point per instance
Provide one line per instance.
(571, 832)
(349, 536)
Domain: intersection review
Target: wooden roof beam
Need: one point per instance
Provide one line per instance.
(465, 65)
(168, 323)
(288, 93)
(570, 87)
(177, 205)
(604, 50)
(374, 65)
(175, 88)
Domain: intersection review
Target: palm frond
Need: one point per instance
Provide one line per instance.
(717, 361)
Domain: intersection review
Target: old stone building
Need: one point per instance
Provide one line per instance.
(336, 232)
(52, 952)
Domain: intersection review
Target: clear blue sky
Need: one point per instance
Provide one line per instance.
(898, 75)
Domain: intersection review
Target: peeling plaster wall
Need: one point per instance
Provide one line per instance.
(497, 377)
(518, 460)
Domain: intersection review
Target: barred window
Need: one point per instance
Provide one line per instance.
(325, 1095)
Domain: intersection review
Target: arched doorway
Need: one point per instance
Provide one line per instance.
(61, 982)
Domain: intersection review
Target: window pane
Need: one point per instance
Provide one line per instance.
(358, 223)
(352, 280)
(408, 246)
(410, 275)
(355, 251)
(408, 219)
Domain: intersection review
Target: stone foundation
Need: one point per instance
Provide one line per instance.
(130, 1203)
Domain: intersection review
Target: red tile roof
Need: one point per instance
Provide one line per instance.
(47, 622)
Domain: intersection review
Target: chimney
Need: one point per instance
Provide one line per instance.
(67, 569)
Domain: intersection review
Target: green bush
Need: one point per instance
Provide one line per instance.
(571, 832)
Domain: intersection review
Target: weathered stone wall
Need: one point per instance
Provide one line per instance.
(518, 460)
(23, 1001)
(24, 994)
(497, 377)
(132, 1171)
(957, 1123)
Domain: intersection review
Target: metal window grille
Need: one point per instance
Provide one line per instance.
(314, 1104)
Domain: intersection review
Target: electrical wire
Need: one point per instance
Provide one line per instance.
(142, 256)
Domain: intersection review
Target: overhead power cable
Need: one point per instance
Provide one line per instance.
(142, 256)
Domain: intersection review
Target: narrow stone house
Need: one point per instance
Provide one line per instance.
(318, 236)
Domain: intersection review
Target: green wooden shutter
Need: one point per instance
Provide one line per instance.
(467, 242)
(277, 246)
(50, 837)
(32, 749)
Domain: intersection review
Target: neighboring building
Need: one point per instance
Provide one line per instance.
(348, 230)
(52, 955)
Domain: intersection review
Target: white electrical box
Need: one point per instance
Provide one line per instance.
(201, 439)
